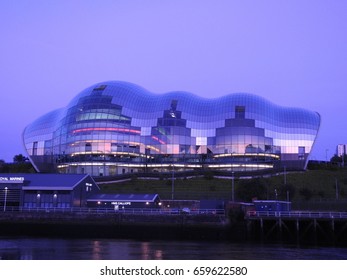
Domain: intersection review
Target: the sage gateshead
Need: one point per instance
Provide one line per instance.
(117, 127)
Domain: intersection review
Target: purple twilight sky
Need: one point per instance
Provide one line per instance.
(293, 53)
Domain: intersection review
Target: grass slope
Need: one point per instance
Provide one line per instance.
(309, 185)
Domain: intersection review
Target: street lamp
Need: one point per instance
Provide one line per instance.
(232, 187)
(38, 200)
(6, 188)
(55, 200)
(173, 182)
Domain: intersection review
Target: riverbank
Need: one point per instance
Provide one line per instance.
(202, 227)
(118, 225)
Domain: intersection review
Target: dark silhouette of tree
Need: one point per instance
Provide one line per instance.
(20, 158)
(250, 189)
(20, 164)
(3, 166)
(339, 160)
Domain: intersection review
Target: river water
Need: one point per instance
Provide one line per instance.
(122, 249)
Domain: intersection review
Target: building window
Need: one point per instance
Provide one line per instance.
(240, 112)
(35, 148)
(301, 152)
(88, 147)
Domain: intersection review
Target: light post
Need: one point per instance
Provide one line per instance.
(232, 187)
(276, 203)
(173, 182)
(285, 187)
(287, 200)
(38, 201)
(5, 200)
(55, 200)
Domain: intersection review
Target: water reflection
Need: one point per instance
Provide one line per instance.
(113, 249)
(150, 253)
(97, 250)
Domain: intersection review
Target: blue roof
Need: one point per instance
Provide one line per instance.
(123, 197)
(39, 180)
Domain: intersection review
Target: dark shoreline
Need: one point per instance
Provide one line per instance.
(72, 225)
(154, 227)
(124, 231)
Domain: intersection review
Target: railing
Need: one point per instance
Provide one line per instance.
(140, 211)
(296, 214)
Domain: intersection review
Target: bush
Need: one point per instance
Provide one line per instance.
(249, 189)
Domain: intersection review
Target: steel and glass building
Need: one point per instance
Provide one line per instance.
(117, 127)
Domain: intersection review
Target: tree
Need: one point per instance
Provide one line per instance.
(3, 166)
(249, 189)
(339, 159)
(20, 164)
(20, 158)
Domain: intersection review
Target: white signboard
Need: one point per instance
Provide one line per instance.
(11, 180)
(121, 203)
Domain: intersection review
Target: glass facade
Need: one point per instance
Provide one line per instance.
(117, 127)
